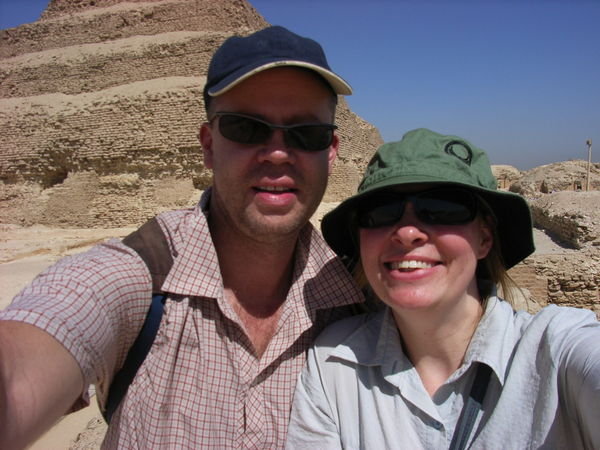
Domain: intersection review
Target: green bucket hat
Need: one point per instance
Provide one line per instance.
(423, 156)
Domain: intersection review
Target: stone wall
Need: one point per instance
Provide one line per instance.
(571, 280)
(94, 67)
(146, 127)
(533, 284)
(573, 217)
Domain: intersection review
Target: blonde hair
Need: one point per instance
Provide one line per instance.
(491, 272)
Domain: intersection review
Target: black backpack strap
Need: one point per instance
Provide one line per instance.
(135, 357)
(471, 408)
(151, 244)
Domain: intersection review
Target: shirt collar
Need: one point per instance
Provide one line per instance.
(195, 270)
(493, 340)
(377, 342)
(320, 279)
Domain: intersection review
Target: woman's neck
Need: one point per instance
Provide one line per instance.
(436, 341)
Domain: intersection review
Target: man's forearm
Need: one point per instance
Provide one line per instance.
(39, 381)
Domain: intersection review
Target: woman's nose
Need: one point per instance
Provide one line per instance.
(409, 230)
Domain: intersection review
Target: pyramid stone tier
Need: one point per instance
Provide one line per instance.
(68, 22)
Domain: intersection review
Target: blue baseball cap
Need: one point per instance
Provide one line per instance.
(241, 57)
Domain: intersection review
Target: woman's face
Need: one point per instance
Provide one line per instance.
(416, 265)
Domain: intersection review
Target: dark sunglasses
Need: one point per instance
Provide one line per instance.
(441, 206)
(243, 129)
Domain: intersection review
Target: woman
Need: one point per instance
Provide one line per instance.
(446, 363)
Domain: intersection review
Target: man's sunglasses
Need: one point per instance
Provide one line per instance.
(243, 129)
(441, 206)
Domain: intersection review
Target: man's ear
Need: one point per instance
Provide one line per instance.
(205, 138)
(333, 150)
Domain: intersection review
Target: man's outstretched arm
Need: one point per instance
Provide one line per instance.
(39, 381)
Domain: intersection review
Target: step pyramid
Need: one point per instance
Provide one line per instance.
(100, 105)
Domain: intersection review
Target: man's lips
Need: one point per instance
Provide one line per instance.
(274, 189)
(277, 196)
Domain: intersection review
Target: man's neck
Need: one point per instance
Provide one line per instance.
(256, 286)
(257, 277)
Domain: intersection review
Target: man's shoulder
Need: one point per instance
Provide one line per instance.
(177, 217)
(177, 220)
(181, 225)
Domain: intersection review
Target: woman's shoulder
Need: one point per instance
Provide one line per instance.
(558, 327)
(551, 325)
(559, 317)
(361, 326)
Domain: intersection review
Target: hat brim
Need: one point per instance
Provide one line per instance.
(338, 84)
(514, 224)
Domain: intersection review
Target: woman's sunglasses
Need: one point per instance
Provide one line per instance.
(310, 137)
(441, 206)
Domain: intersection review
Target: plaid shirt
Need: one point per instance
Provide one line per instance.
(201, 384)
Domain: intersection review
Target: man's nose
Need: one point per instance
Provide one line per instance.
(275, 149)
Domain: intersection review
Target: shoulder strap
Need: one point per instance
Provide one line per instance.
(150, 243)
(135, 357)
(471, 408)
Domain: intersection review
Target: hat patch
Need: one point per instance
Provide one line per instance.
(464, 152)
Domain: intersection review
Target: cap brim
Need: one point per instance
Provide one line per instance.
(338, 84)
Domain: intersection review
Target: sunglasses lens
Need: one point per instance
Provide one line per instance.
(244, 130)
(446, 207)
(312, 138)
(435, 207)
(381, 212)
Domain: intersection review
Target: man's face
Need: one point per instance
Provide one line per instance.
(267, 192)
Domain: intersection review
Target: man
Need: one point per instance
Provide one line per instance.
(251, 284)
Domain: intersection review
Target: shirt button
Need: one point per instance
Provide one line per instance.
(436, 425)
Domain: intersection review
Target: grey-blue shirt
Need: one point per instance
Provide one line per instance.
(359, 390)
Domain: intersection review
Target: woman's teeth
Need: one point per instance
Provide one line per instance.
(408, 265)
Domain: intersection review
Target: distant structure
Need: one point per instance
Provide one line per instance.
(571, 175)
(100, 106)
(589, 146)
(506, 175)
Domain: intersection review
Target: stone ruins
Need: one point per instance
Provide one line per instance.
(100, 104)
(570, 217)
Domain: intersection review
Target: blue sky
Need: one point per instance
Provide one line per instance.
(518, 78)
